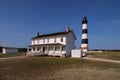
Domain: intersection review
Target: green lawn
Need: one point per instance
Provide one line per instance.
(12, 55)
(55, 68)
(105, 55)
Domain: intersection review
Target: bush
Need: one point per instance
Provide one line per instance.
(22, 50)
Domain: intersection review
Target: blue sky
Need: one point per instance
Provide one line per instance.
(21, 19)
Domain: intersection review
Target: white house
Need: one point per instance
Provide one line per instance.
(54, 44)
(9, 50)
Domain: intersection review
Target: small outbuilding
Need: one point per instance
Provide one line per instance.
(9, 50)
(78, 53)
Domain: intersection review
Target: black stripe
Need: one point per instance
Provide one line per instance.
(85, 21)
(84, 41)
(84, 31)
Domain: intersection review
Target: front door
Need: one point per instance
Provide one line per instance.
(43, 49)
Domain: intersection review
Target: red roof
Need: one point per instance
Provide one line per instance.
(53, 34)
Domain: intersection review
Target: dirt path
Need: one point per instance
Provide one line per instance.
(105, 60)
(88, 58)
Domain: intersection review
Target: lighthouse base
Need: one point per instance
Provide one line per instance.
(84, 50)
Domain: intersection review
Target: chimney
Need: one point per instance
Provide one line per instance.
(37, 34)
(67, 29)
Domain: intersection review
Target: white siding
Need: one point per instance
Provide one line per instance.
(70, 44)
(58, 40)
(49, 40)
(76, 53)
(32, 42)
(84, 45)
(36, 42)
(84, 26)
(40, 41)
(84, 36)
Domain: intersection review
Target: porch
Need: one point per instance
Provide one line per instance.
(46, 49)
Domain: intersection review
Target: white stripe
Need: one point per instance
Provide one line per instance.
(84, 50)
(84, 45)
(85, 36)
(84, 26)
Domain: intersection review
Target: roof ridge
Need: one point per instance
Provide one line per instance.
(52, 34)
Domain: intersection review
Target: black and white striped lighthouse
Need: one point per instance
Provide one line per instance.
(84, 45)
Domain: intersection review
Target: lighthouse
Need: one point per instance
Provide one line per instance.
(84, 44)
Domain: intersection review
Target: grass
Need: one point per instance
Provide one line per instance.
(105, 55)
(55, 68)
(12, 54)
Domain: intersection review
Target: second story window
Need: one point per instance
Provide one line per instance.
(62, 39)
(48, 40)
(43, 40)
(37, 41)
(54, 39)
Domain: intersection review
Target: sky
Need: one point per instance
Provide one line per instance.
(21, 19)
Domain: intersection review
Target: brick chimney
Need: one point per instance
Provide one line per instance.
(67, 29)
(37, 34)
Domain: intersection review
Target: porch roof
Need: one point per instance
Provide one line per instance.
(46, 44)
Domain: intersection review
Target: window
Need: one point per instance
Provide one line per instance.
(54, 39)
(29, 49)
(58, 48)
(33, 42)
(55, 48)
(51, 48)
(62, 39)
(37, 41)
(43, 40)
(33, 48)
(48, 40)
(63, 48)
(38, 48)
(48, 48)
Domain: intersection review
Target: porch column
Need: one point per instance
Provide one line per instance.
(41, 48)
(35, 49)
(54, 51)
(63, 55)
(61, 50)
(32, 49)
(54, 48)
(47, 48)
